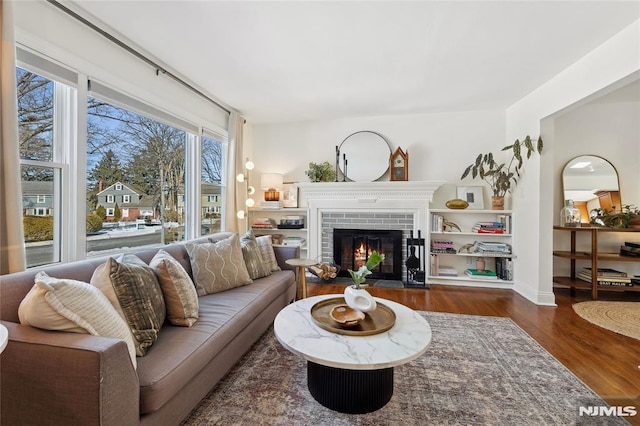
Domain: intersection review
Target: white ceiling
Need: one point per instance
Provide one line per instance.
(292, 61)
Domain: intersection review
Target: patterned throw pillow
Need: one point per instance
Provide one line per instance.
(69, 305)
(265, 243)
(256, 266)
(218, 266)
(133, 289)
(178, 289)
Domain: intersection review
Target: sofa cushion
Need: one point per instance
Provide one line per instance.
(169, 365)
(256, 266)
(265, 243)
(178, 289)
(74, 306)
(218, 266)
(133, 289)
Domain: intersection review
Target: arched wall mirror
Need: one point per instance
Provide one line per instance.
(591, 182)
(367, 155)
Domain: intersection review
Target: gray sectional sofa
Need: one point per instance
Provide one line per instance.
(63, 378)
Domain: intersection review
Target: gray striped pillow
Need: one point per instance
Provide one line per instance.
(256, 265)
(134, 291)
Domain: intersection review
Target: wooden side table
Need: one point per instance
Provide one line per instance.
(302, 278)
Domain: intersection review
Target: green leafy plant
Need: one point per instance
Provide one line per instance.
(615, 218)
(360, 276)
(322, 172)
(501, 176)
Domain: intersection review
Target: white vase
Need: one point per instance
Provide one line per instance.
(359, 298)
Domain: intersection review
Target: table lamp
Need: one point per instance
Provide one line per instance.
(272, 184)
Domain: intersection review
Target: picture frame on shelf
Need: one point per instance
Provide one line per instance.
(289, 195)
(474, 195)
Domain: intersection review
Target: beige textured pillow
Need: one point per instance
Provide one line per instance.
(256, 266)
(178, 289)
(133, 289)
(265, 243)
(218, 266)
(75, 306)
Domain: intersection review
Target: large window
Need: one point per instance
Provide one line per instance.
(129, 154)
(211, 184)
(41, 167)
(139, 189)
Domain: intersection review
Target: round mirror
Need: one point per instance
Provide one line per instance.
(592, 183)
(367, 154)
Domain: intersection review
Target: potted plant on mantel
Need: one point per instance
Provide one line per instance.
(501, 176)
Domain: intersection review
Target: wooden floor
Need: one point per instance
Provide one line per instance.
(607, 362)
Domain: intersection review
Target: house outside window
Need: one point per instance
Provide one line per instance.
(111, 199)
(110, 212)
(41, 199)
(126, 198)
(118, 187)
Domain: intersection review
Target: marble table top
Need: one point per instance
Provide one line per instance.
(405, 341)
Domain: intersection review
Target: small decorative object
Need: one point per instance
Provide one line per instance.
(501, 176)
(325, 271)
(399, 165)
(624, 218)
(289, 195)
(570, 215)
(355, 295)
(473, 195)
(346, 315)
(480, 264)
(271, 183)
(450, 226)
(322, 172)
(457, 204)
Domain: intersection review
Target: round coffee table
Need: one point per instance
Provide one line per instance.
(351, 374)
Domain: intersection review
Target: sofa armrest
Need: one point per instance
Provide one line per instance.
(287, 252)
(53, 377)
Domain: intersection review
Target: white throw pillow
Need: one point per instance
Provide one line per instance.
(265, 243)
(75, 306)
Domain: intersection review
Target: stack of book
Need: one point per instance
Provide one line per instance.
(442, 246)
(607, 277)
(437, 223)
(271, 204)
(263, 223)
(491, 247)
(507, 220)
(484, 274)
(489, 228)
(293, 241)
(447, 271)
(630, 249)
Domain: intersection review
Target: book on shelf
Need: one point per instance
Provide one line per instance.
(627, 250)
(605, 272)
(586, 276)
(487, 273)
(293, 241)
(504, 268)
(263, 223)
(271, 205)
(447, 271)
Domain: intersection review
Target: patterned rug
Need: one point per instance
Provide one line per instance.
(477, 371)
(620, 317)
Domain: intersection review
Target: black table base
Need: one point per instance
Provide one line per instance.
(350, 391)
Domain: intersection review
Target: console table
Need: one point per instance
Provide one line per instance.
(594, 255)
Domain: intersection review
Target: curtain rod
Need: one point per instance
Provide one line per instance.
(135, 53)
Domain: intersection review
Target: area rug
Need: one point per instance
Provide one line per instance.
(620, 317)
(477, 371)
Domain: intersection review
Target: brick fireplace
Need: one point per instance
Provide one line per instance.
(401, 206)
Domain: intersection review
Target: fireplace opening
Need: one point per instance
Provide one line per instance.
(352, 248)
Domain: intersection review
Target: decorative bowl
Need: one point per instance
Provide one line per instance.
(457, 204)
(346, 315)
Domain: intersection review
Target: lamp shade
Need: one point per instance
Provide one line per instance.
(271, 181)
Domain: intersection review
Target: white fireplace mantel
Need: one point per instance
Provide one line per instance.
(377, 197)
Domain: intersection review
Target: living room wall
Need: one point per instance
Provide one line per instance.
(440, 145)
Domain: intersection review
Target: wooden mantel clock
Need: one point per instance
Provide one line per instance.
(399, 165)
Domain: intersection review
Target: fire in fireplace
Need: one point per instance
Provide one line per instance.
(352, 248)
